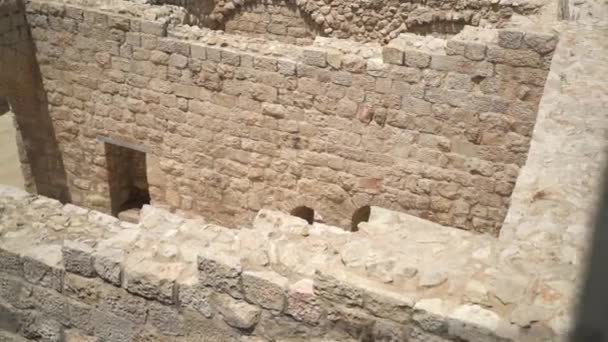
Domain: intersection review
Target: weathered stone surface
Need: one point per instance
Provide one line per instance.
(150, 279)
(266, 289)
(236, 313)
(302, 303)
(78, 258)
(107, 264)
(221, 271)
(166, 319)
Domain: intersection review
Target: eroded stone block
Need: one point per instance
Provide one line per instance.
(221, 271)
(266, 289)
(78, 258)
(236, 313)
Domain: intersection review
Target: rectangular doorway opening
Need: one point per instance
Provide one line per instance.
(128, 181)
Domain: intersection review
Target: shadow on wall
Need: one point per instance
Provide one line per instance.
(21, 84)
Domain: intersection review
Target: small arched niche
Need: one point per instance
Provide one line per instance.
(304, 213)
(360, 215)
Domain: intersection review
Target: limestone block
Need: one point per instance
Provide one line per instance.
(107, 264)
(230, 57)
(338, 290)
(287, 68)
(42, 266)
(198, 51)
(236, 313)
(353, 321)
(474, 323)
(393, 55)
(266, 289)
(108, 327)
(10, 262)
(388, 304)
(455, 47)
(541, 43)
(166, 319)
(155, 28)
(121, 303)
(475, 51)
(191, 294)
(51, 303)
(510, 39)
(220, 271)
(78, 258)
(389, 331)
(430, 315)
(315, 56)
(264, 63)
(85, 290)
(462, 65)
(417, 59)
(302, 303)
(151, 279)
(41, 328)
(518, 58)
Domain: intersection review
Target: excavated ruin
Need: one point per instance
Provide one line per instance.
(299, 170)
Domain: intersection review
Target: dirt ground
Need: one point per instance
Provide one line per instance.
(10, 171)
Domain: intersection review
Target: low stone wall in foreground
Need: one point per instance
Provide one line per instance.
(68, 271)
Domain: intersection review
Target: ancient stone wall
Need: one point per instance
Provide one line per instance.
(279, 21)
(358, 20)
(21, 86)
(85, 275)
(432, 127)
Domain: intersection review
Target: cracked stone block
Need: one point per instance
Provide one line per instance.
(237, 313)
(302, 303)
(78, 258)
(221, 271)
(266, 289)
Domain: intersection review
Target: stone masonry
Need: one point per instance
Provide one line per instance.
(360, 20)
(384, 125)
(435, 128)
(68, 271)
